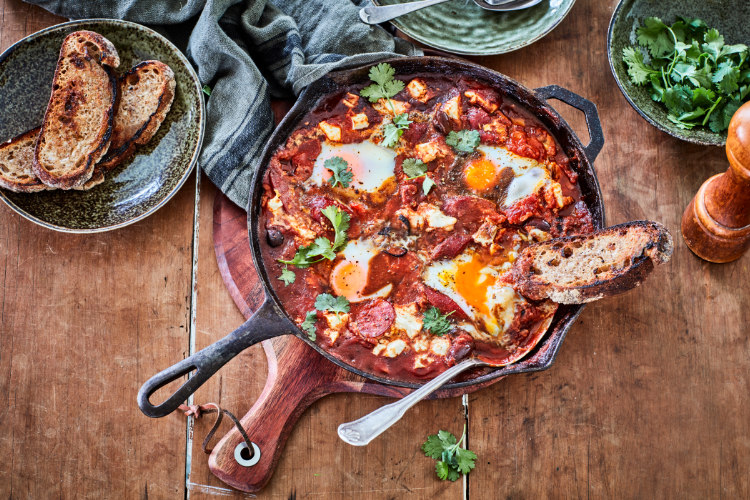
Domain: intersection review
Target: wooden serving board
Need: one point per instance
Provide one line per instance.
(297, 375)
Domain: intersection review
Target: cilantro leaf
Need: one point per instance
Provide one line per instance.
(726, 77)
(678, 99)
(714, 43)
(308, 326)
(436, 323)
(464, 141)
(322, 247)
(656, 36)
(414, 168)
(453, 460)
(287, 276)
(206, 90)
(339, 167)
(683, 121)
(638, 71)
(392, 132)
(385, 85)
(327, 302)
(340, 222)
(723, 115)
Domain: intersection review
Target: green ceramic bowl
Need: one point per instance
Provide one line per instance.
(462, 27)
(730, 17)
(141, 185)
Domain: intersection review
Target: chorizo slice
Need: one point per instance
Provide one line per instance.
(375, 318)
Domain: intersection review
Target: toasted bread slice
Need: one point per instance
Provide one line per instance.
(145, 96)
(78, 122)
(584, 268)
(16, 159)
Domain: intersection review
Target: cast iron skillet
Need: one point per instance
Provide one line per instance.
(271, 321)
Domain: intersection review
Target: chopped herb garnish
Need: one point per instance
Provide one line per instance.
(342, 174)
(392, 132)
(437, 323)
(327, 302)
(464, 141)
(453, 460)
(206, 90)
(322, 248)
(691, 70)
(287, 276)
(385, 85)
(308, 326)
(427, 184)
(414, 168)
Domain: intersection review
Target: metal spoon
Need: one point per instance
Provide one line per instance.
(379, 14)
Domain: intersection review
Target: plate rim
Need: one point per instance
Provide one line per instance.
(201, 110)
(400, 26)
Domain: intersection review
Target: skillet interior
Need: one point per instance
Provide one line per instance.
(542, 356)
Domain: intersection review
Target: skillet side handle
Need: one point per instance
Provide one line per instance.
(265, 324)
(589, 110)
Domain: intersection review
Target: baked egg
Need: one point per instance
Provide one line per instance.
(371, 165)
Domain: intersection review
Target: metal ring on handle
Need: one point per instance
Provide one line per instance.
(243, 461)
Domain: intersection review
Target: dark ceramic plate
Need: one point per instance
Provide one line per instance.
(141, 185)
(462, 27)
(730, 17)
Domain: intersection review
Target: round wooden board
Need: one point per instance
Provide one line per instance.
(297, 375)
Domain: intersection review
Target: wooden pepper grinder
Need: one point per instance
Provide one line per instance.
(716, 224)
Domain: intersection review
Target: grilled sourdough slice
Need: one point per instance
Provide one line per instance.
(146, 93)
(78, 121)
(16, 159)
(583, 268)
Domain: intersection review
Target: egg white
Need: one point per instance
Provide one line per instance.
(529, 175)
(376, 164)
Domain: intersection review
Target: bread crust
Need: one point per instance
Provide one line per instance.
(82, 47)
(150, 126)
(536, 279)
(30, 185)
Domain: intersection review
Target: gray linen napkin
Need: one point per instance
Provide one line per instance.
(247, 52)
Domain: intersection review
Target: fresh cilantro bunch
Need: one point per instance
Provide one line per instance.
(464, 141)
(322, 248)
(392, 132)
(339, 167)
(691, 70)
(415, 168)
(385, 85)
(452, 459)
(436, 323)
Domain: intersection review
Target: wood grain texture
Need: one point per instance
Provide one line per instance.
(649, 394)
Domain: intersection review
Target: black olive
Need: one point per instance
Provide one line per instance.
(274, 237)
(405, 222)
(396, 251)
(442, 122)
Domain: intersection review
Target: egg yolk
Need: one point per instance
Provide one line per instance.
(472, 284)
(348, 279)
(480, 175)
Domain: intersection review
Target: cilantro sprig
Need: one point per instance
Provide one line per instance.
(463, 141)
(415, 168)
(308, 325)
(385, 86)
(322, 248)
(436, 323)
(392, 132)
(287, 276)
(690, 69)
(453, 460)
(339, 167)
(327, 302)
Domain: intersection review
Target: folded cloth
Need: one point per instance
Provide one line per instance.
(249, 52)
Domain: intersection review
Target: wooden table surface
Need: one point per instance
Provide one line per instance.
(649, 397)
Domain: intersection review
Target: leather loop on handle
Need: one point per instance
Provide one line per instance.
(589, 110)
(266, 323)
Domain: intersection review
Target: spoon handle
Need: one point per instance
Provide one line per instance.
(360, 432)
(379, 14)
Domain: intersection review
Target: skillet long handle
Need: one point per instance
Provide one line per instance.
(360, 432)
(589, 110)
(265, 324)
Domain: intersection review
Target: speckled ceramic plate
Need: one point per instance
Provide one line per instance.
(462, 27)
(141, 185)
(730, 17)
